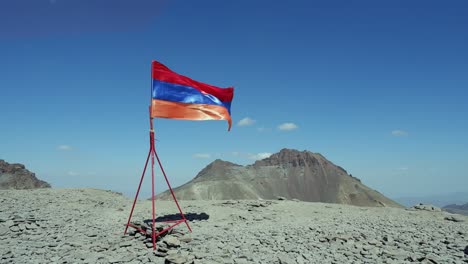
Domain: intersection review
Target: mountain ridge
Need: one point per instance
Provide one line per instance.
(289, 173)
(16, 176)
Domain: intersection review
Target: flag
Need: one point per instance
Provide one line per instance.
(178, 97)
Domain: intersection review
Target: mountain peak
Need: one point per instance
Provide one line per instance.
(217, 167)
(290, 157)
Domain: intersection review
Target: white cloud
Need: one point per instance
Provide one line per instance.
(399, 133)
(247, 121)
(287, 126)
(201, 155)
(260, 156)
(64, 147)
(73, 173)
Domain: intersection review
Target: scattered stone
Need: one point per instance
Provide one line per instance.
(149, 244)
(427, 207)
(176, 259)
(4, 230)
(158, 253)
(125, 243)
(453, 218)
(285, 259)
(281, 198)
(185, 238)
(171, 241)
(9, 223)
(81, 232)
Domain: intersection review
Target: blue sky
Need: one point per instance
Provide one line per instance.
(379, 88)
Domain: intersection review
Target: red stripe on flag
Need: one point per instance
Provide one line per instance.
(162, 73)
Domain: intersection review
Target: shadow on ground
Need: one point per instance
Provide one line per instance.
(171, 217)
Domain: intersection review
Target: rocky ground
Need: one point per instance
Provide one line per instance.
(86, 226)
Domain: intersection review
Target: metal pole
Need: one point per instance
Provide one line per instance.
(137, 193)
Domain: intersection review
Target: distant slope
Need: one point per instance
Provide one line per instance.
(16, 176)
(291, 174)
(457, 209)
(439, 200)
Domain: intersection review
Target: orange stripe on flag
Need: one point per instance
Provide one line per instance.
(175, 110)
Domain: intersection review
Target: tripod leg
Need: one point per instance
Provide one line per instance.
(152, 199)
(172, 192)
(138, 192)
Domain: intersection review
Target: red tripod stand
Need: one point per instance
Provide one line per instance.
(152, 153)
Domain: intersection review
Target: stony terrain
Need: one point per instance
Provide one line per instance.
(16, 176)
(290, 173)
(86, 226)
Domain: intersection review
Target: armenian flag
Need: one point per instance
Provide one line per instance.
(176, 96)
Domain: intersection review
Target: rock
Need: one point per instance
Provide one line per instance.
(427, 207)
(160, 254)
(453, 218)
(171, 241)
(185, 238)
(125, 244)
(285, 259)
(281, 198)
(387, 238)
(149, 244)
(9, 223)
(241, 261)
(162, 248)
(4, 230)
(31, 226)
(466, 250)
(175, 259)
(172, 252)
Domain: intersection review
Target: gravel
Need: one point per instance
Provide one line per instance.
(87, 225)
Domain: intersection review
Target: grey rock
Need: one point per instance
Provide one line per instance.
(200, 255)
(172, 252)
(466, 250)
(171, 241)
(427, 207)
(125, 244)
(241, 261)
(160, 254)
(453, 218)
(285, 259)
(9, 223)
(185, 238)
(4, 230)
(176, 259)
(149, 244)
(162, 248)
